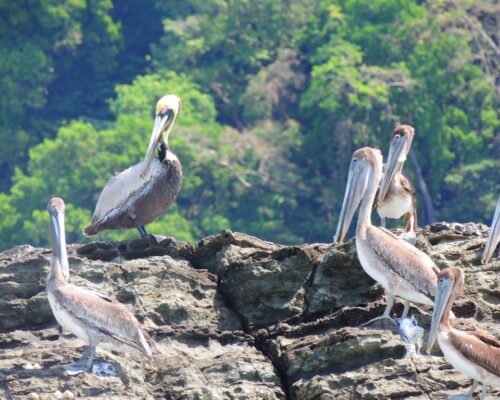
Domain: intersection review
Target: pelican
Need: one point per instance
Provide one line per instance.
(140, 194)
(396, 197)
(402, 269)
(475, 353)
(493, 236)
(89, 315)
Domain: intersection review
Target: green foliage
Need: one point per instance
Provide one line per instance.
(28, 35)
(276, 96)
(476, 181)
(78, 162)
(223, 43)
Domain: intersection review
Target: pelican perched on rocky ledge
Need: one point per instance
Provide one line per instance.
(402, 269)
(475, 353)
(493, 236)
(90, 316)
(396, 197)
(141, 193)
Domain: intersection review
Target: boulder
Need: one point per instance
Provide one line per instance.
(238, 317)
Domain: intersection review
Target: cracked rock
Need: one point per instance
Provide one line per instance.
(239, 317)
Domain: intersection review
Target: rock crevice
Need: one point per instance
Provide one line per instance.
(239, 317)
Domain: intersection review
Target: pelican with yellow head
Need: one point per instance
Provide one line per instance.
(140, 194)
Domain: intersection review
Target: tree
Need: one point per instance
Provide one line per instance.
(220, 176)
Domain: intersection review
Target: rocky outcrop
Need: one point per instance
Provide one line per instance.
(238, 317)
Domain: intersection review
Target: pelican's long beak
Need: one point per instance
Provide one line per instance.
(58, 238)
(161, 128)
(493, 236)
(443, 293)
(397, 156)
(354, 191)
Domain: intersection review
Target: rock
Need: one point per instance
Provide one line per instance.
(152, 246)
(207, 252)
(339, 281)
(239, 317)
(98, 251)
(265, 287)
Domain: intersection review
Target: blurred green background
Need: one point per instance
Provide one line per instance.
(276, 94)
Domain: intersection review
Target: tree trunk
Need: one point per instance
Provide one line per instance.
(430, 212)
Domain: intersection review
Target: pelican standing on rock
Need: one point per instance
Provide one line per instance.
(396, 197)
(475, 353)
(493, 236)
(402, 269)
(90, 316)
(141, 193)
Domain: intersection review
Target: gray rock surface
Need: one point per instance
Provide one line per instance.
(235, 317)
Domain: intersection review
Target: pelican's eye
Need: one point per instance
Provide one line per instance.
(354, 160)
(397, 136)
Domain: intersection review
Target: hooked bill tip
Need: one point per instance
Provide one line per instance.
(56, 203)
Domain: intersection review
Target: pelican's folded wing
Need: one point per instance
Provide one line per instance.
(108, 317)
(479, 347)
(122, 187)
(405, 260)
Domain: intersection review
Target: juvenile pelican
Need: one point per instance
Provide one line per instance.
(90, 316)
(399, 267)
(475, 353)
(493, 236)
(141, 193)
(396, 197)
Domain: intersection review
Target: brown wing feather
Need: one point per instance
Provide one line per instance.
(107, 317)
(486, 338)
(407, 186)
(413, 265)
(479, 347)
(113, 335)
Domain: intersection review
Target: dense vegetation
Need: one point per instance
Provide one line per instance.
(276, 96)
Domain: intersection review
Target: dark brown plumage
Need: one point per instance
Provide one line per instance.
(145, 203)
(141, 193)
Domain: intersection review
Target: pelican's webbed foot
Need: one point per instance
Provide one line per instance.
(84, 364)
(387, 311)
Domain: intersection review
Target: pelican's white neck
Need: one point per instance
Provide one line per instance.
(365, 212)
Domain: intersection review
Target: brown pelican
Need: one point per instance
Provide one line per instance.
(399, 267)
(90, 316)
(493, 236)
(476, 353)
(141, 193)
(396, 197)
